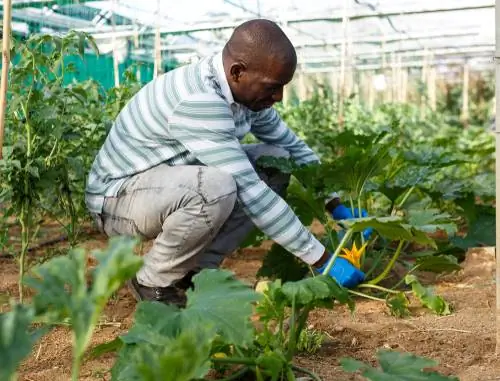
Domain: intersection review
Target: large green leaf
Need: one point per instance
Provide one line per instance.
(427, 297)
(396, 366)
(16, 339)
(181, 358)
(480, 233)
(394, 228)
(226, 302)
(154, 323)
(314, 290)
(431, 220)
(438, 263)
(62, 291)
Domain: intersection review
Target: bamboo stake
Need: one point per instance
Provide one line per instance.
(431, 87)
(136, 45)
(342, 82)
(404, 87)
(465, 95)
(423, 81)
(497, 156)
(157, 50)
(7, 10)
(116, 70)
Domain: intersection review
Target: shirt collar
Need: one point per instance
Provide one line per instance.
(221, 78)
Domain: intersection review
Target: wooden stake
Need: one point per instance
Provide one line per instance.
(7, 10)
(431, 87)
(136, 45)
(157, 50)
(497, 156)
(342, 82)
(465, 95)
(116, 70)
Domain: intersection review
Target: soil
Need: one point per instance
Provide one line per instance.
(463, 343)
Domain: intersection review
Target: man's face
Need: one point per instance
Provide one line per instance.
(261, 86)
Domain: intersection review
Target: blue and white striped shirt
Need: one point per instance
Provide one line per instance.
(188, 116)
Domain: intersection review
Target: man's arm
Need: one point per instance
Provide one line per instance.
(268, 127)
(204, 125)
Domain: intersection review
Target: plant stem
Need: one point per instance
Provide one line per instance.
(359, 216)
(351, 201)
(236, 375)
(75, 369)
(341, 245)
(24, 245)
(234, 360)
(365, 295)
(390, 265)
(375, 263)
(403, 200)
(311, 374)
(292, 339)
(367, 285)
(408, 273)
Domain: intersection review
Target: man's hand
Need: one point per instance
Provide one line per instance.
(342, 212)
(345, 273)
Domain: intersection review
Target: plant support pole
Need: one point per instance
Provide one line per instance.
(7, 8)
(497, 157)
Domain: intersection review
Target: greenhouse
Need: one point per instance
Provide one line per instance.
(249, 190)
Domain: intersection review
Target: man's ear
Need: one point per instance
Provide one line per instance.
(237, 70)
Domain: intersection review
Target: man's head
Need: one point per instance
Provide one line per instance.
(259, 60)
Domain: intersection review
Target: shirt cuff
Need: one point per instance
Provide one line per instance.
(315, 254)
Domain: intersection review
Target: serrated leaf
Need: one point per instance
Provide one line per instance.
(283, 164)
(16, 339)
(431, 220)
(316, 290)
(438, 263)
(426, 296)
(398, 304)
(213, 300)
(480, 233)
(154, 323)
(181, 358)
(107, 347)
(62, 291)
(393, 228)
(396, 366)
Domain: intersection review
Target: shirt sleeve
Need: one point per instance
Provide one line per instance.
(268, 127)
(204, 124)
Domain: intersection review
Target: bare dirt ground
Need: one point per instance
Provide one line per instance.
(463, 343)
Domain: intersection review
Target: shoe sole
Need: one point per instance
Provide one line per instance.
(134, 291)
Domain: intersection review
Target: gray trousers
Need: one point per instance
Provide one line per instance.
(190, 211)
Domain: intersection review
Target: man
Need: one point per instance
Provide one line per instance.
(172, 168)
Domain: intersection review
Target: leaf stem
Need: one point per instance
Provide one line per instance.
(367, 285)
(365, 295)
(234, 360)
(390, 265)
(24, 220)
(292, 340)
(311, 374)
(236, 375)
(341, 245)
(359, 216)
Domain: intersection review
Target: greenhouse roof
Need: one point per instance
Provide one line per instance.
(373, 32)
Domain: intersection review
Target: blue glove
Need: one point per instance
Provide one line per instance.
(342, 212)
(345, 273)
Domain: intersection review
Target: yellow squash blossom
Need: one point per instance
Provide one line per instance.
(354, 255)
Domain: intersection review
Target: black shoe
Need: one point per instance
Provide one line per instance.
(168, 295)
(186, 282)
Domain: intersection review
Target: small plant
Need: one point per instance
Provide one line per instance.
(396, 366)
